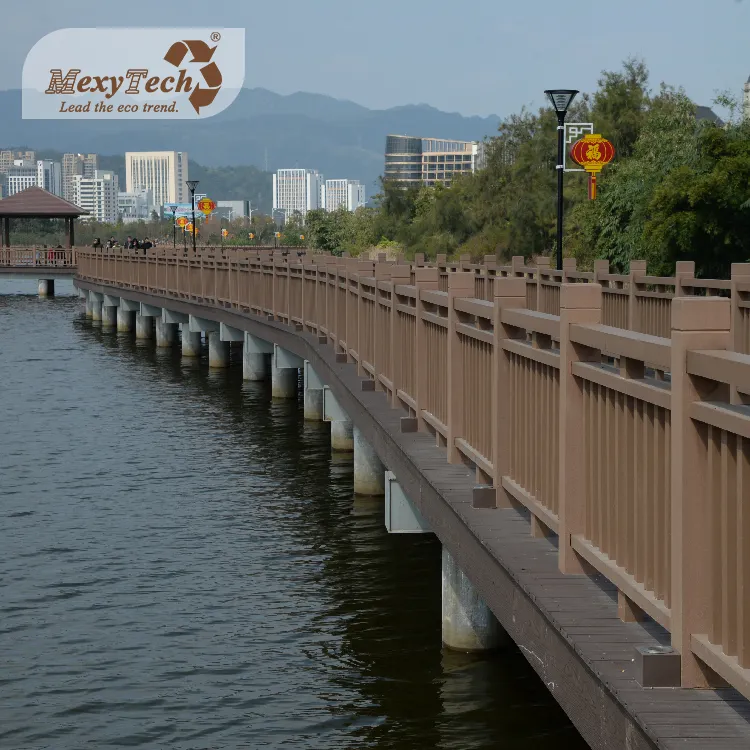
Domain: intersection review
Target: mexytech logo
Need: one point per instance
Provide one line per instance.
(202, 54)
(194, 78)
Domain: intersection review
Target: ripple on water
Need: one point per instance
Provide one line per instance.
(183, 566)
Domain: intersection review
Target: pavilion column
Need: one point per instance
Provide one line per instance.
(6, 232)
(71, 233)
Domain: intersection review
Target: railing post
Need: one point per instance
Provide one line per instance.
(601, 268)
(569, 264)
(542, 264)
(517, 263)
(460, 285)
(697, 323)
(426, 279)
(637, 268)
(684, 269)
(740, 343)
(579, 303)
(400, 275)
(510, 293)
(382, 273)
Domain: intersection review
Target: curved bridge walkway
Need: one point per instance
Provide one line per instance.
(590, 483)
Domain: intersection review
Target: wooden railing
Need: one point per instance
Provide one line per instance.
(26, 257)
(633, 448)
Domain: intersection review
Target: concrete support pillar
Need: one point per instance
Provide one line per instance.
(96, 312)
(342, 433)
(125, 320)
(109, 317)
(255, 365)
(256, 358)
(369, 472)
(283, 381)
(218, 351)
(144, 326)
(166, 333)
(89, 307)
(468, 623)
(342, 437)
(46, 287)
(313, 393)
(191, 342)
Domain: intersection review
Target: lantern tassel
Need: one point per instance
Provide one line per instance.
(592, 186)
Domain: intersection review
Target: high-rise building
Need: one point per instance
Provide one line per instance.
(296, 191)
(8, 157)
(231, 210)
(347, 193)
(163, 173)
(134, 206)
(97, 195)
(76, 164)
(414, 161)
(25, 173)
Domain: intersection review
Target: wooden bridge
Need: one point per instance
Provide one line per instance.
(579, 442)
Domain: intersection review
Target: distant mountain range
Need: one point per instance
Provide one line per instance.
(338, 138)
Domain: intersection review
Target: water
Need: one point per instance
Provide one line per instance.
(183, 565)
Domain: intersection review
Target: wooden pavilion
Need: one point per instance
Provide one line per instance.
(37, 203)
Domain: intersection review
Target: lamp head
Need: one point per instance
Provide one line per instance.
(561, 99)
(192, 184)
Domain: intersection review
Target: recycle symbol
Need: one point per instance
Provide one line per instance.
(202, 53)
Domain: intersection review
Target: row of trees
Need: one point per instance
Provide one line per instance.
(678, 189)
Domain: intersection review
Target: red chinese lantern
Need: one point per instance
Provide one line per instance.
(592, 152)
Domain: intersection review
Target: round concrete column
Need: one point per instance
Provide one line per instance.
(125, 320)
(468, 623)
(283, 381)
(144, 326)
(166, 333)
(191, 342)
(342, 437)
(369, 472)
(109, 317)
(255, 365)
(46, 287)
(96, 313)
(89, 308)
(218, 351)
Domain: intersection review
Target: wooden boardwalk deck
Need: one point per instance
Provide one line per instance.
(567, 627)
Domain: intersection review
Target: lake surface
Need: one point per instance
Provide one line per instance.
(183, 565)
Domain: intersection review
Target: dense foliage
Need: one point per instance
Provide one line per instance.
(678, 189)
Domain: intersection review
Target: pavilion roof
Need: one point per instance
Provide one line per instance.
(38, 203)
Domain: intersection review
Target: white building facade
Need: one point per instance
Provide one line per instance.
(98, 195)
(349, 194)
(134, 206)
(296, 191)
(74, 164)
(24, 173)
(162, 173)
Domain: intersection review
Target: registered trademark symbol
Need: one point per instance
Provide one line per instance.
(215, 36)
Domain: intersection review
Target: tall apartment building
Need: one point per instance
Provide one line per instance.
(76, 164)
(163, 173)
(347, 193)
(8, 157)
(98, 195)
(24, 173)
(296, 191)
(425, 161)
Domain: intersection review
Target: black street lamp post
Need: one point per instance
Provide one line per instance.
(561, 100)
(192, 184)
(173, 209)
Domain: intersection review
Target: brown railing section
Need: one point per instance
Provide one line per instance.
(25, 257)
(644, 476)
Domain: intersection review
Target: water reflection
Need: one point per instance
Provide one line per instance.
(224, 587)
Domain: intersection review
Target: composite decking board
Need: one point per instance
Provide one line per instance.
(504, 562)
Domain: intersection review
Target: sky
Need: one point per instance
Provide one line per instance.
(476, 57)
